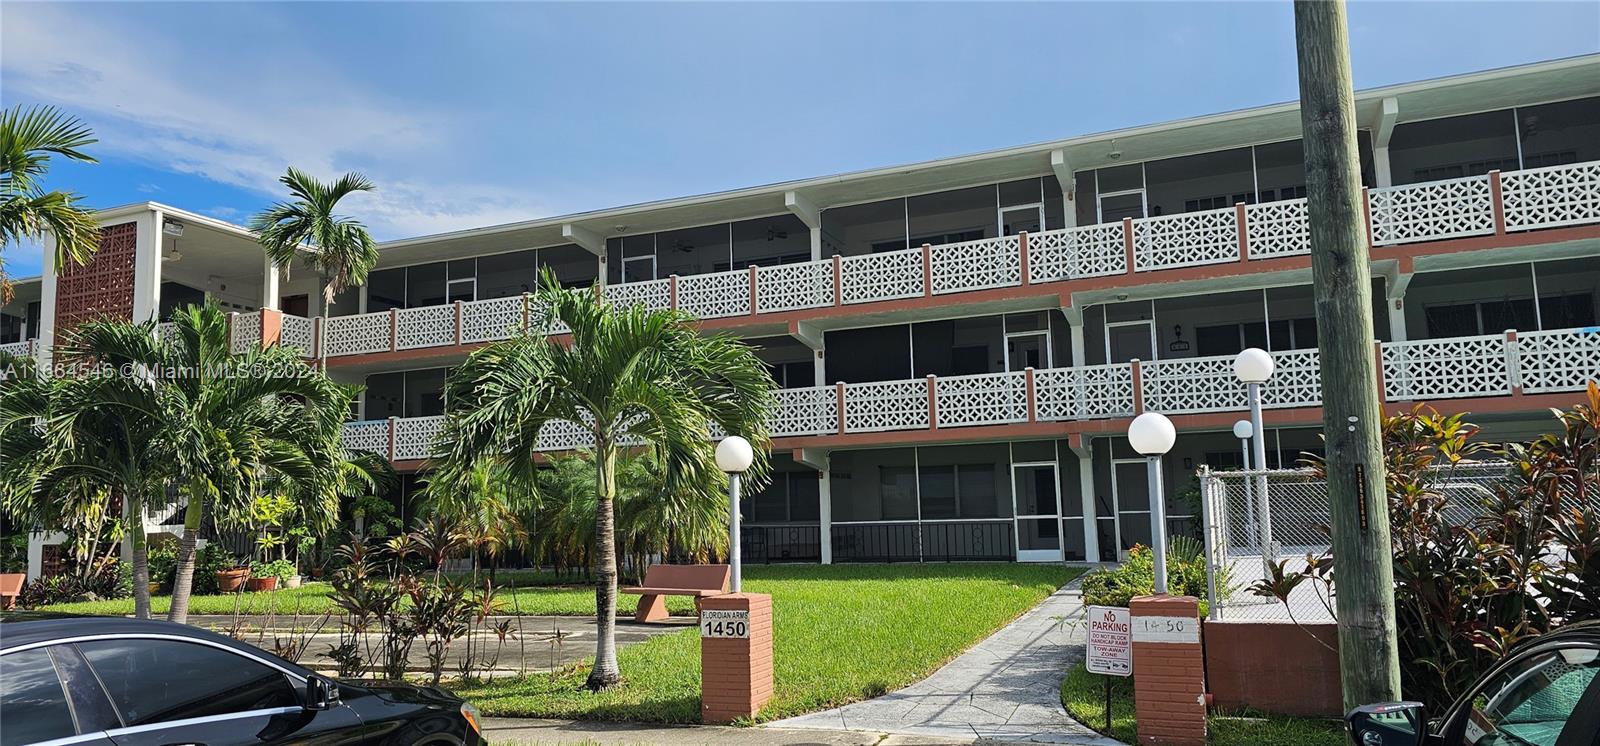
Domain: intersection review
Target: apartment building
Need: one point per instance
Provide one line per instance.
(961, 343)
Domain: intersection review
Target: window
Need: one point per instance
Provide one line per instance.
(898, 486)
(791, 498)
(33, 706)
(138, 674)
(1531, 701)
(1490, 316)
(958, 491)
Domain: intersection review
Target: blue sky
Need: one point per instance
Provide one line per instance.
(474, 114)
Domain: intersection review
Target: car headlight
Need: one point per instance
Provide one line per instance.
(470, 713)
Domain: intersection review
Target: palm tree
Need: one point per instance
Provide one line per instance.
(240, 425)
(625, 376)
(28, 137)
(340, 249)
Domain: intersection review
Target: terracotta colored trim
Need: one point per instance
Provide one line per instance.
(838, 284)
(271, 321)
(672, 292)
(1138, 387)
(927, 270)
(1366, 215)
(392, 423)
(316, 337)
(1244, 237)
(1496, 203)
(933, 406)
(1022, 257)
(1027, 378)
(838, 390)
(1377, 363)
(1127, 243)
(754, 308)
(526, 298)
(394, 329)
(458, 323)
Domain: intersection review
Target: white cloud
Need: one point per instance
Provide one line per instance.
(148, 102)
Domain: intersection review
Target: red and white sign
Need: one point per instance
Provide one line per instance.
(1110, 648)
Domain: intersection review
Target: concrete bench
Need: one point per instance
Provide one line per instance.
(11, 588)
(676, 580)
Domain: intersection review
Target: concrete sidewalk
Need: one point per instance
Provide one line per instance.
(530, 731)
(1005, 689)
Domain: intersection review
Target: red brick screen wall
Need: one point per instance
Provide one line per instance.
(103, 287)
(736, 673)
(1276, 668)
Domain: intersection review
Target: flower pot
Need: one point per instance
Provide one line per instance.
(155, 587)
(229, 581)
(268, 583)
(293, 581)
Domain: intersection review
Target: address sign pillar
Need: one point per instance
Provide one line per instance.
(735, 656)
(1168, 671)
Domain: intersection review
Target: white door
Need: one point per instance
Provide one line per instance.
(1126, 340)
(1130, 496)
(1035, 491)
(1027, 350)
(1014, 220)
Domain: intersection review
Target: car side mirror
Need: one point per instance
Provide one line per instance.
(1387, 724)
(322, 693)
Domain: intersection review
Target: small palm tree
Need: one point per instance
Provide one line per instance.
(340, 249)
(28, 137)
(243, 425)
(625, 376)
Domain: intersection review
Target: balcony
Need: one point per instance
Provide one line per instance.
(1491, 204)
(1503, 365)
(25, 348)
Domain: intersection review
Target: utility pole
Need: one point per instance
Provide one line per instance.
(1369, 663)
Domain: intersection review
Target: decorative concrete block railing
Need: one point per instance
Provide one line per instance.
(1432, 211)
(1188, 239)
(244, 331)
(1552, 197)
(25, 348)
(1508, 364)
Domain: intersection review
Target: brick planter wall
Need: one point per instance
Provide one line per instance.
(1274, 667)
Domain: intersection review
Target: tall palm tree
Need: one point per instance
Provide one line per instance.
(624, 376)
(340, 249)
(28, 138)
(239, 423)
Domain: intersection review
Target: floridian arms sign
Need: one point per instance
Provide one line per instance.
(1110, 648)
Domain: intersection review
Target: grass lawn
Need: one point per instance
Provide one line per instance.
(1083, 694)
(535, 593)
(842, 633)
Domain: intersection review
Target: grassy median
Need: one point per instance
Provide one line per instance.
(842, 633)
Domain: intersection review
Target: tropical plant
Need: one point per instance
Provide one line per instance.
(1186, 575)
(624, 375)
(1479, 565)
(337, 247)
(28, 138)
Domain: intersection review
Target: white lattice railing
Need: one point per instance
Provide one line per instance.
(1447, 368)
(789, 287)
(491, 319)
(355, 335)
(297, 333)
(1186, 239)
(415, 437)
(886, 405)
(715, 295)
(806, 411)
(983, 399)
(19, 349)
(1277, 229)
(876, 277)
(654, 295)
(1559, 360)
(425, 326)
(1208, 384)
(1071, 253)
(366, 435)
(1553, 197)
(244, 332)
(1431, 211)
(975, 265)
(1089, 392)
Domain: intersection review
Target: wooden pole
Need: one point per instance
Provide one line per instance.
(1341, 275)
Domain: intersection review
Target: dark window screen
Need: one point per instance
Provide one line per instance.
(158, 681)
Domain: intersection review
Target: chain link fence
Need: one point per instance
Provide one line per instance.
(1254, 519)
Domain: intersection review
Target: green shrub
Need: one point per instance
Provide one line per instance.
(1186, 575)
(279, 568)
(163, 559)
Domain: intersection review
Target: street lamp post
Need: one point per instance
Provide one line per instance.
(1152, 434)
(1243, 430)
(733, 457)
(1254, 367)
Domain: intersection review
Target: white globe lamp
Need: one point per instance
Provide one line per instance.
(1243, 430)
(1152, 434)
(734, 455)
(1254, 365)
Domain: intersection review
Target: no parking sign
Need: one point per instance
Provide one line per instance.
(1110, 647)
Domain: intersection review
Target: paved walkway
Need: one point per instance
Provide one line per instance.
(530, 732)
(1006, 688)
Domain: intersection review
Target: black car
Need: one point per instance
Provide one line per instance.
(124, 682)
(1545, 692)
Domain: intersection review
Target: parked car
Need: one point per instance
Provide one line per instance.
(125, 682)
(1545, 692)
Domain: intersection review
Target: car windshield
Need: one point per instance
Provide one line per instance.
(1529, 704)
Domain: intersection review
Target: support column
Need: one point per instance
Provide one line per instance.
(47, 307)
(147, 266)
(269, 284)
(1069, 186)
(809, 213)
(818, 460)
(1074, 316)
(1382, 130)
(1395, 303)
(1084, 448)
